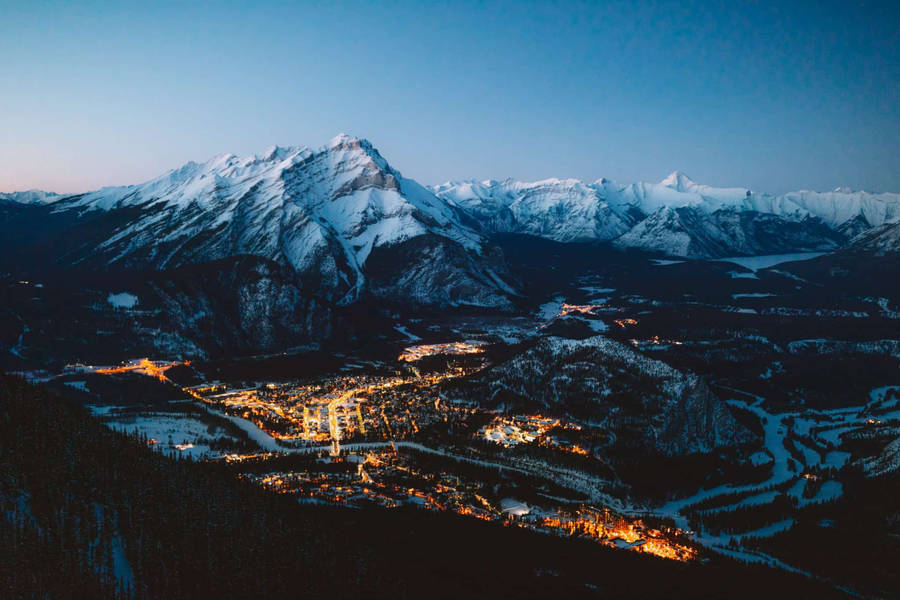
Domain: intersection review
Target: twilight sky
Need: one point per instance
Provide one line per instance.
(770, 95)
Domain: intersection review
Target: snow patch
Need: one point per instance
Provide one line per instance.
(122, 300)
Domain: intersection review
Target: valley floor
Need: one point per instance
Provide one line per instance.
(811, 372)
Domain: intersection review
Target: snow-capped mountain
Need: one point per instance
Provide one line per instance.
(563, 210)
(694, 232)
(327, 214)
(676, 216)
(29, 197)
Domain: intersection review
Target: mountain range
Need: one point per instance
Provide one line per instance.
(280, 240)
(332, 213)
(677, 216)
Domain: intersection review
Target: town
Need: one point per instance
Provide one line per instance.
(369, 439)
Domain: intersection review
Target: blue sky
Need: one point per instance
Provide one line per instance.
(774, 96)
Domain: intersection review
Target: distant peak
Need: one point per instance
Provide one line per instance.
(678, 180)
(355, 145)
(30, 196)
(342, 139)
(843, 189)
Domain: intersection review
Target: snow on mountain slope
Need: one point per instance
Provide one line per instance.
(29, 197)
(879, 240)
(693, 232)
(841, 205)
(677, 216)
(663, 231)
(564, 210)
(708, 197)
(321, 212)
(835, 208)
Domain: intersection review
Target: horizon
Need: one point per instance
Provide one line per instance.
(589, 180)
(767, 98)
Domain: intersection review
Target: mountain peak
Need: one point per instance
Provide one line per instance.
(678, 180)
(342, 139)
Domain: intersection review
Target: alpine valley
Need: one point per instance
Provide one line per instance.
(694, 383)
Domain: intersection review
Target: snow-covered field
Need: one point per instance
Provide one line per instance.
(548, 310)
(122, 300)
(167, 432)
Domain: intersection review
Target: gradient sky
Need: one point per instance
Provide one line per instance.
(774, 96)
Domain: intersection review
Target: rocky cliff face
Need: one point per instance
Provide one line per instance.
(242, 305)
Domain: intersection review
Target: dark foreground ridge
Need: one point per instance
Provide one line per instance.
(91, 513)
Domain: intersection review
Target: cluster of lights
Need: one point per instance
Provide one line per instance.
(349, 407)
(623, 323)
(509, 431)
(655, 341)
(334, 411)
(578, 309)
(414, 353)
(144, 366)
(519, 429)
(619, 533)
